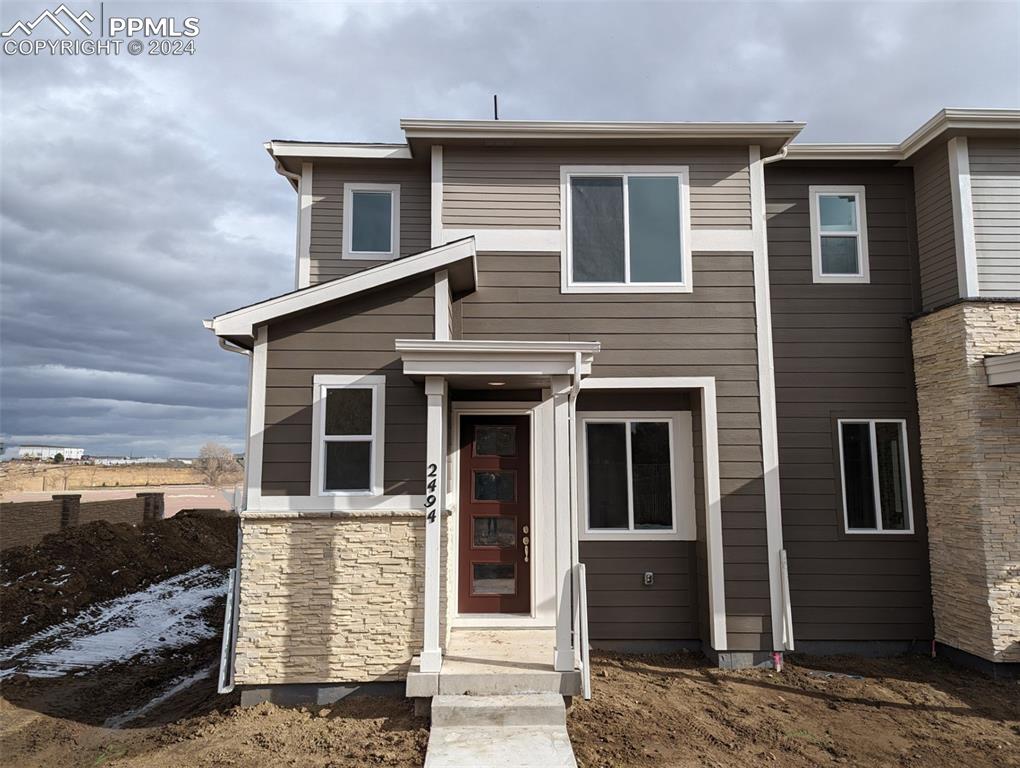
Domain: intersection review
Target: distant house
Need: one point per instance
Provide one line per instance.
(49, 452)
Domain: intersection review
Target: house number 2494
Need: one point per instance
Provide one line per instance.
(430, 492)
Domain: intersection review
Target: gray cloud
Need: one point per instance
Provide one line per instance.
(137, 199)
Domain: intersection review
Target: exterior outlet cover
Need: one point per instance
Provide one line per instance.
(649, 578)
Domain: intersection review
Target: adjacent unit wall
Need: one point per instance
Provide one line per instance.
(936, 242)
(328, 179)
(844, 351)
(995, 191)
(354, 337)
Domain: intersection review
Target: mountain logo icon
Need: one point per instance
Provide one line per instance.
(54, 17)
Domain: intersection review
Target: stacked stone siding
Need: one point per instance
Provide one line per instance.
(970, 447)
(330, 599)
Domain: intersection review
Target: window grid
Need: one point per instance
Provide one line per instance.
(875, 480)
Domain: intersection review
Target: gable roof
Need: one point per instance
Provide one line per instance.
(458, 257)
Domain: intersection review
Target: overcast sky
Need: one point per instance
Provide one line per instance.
(137, 198)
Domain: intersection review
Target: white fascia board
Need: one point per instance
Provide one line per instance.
(481, 346)
(339, 151)
(844, 152)
(416, 128)
(426, 357)
(241, 322)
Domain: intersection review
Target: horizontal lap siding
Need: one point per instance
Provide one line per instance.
(995, 190)
(356, 337)
(710, 332)
(841, 587)
(936, 241)
(328, 181)
(520, 187)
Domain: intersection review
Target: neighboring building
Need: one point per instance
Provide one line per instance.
(120, 461)
(765, 393)
(49, 452)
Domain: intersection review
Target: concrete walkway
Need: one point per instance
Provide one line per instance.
(512, 731)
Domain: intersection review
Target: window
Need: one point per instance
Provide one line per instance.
(347, 423)
(876, 476)
(839, 235)
(627, 229)
(371, 221)
(637, 475)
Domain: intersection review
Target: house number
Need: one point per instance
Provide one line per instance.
(430, 492)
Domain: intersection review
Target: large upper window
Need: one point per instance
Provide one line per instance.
(371, 221)
(347, 452)
(839, 235)
(627, 229)
(637, 475)
(876, 476)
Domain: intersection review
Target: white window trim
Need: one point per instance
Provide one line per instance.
(863, 274)
(904, 436)
(323, 382)
(567, 285)
(348, 250)
(681, 447)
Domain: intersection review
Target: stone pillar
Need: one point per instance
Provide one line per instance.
(70, 512)
(970, 451)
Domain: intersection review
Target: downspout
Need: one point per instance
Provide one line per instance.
(575, 387)
(780, 155)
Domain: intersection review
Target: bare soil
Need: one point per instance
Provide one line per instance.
(678, 711)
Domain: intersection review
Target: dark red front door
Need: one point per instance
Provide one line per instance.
(495, 515)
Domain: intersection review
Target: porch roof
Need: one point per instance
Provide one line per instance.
(486, 364)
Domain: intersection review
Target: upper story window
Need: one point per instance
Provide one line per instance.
(347, 434)
(627, 229)
(371, 221)
(875, 474)
(839, 235)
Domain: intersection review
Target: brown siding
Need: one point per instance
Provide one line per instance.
(995, 190)
(710, 332)
(520, 187)
(355, 337)
(936, 244)
(328, 211)
(844, 350)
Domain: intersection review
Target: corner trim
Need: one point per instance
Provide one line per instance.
(963, 217)
(767, 400)
(436, 199)
(304, 234)
(256, 419)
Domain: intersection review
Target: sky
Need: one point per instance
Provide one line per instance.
(136, 198)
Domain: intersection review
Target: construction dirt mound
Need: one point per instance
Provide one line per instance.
(77, 567)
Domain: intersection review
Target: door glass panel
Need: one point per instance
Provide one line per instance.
(495, 440)
(494, 531)
(493, 579)
(857, 476)
(892, 476)
(652, 480)
(495, 485)
(654, 229)
(607, 475)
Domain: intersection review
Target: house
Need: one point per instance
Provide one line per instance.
(765, 392)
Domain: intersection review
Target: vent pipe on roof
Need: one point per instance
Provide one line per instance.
(495, 106)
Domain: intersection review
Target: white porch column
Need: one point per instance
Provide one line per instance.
(435, 496)
(563, 659)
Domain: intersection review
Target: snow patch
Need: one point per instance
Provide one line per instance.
(164, 616)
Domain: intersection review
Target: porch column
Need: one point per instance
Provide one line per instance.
(435, 502)
(563, 659)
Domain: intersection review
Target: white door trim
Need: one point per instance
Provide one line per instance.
(541, 538)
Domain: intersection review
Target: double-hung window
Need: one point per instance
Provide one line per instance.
(636, 475)
(875, 473)
(347, 424)
(839, 235)
(627, 229)
(371, 226)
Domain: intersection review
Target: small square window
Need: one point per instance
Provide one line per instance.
(839, 235)
(371, 217)
(875, 475)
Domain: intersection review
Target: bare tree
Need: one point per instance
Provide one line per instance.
(216, 462)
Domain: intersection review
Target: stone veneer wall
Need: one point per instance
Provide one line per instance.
(970, 448)
(330, 599)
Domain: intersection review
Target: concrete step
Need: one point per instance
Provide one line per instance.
(509, 682)
(488, 711)
(505, 746)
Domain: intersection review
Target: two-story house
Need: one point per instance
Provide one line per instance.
(765, 392)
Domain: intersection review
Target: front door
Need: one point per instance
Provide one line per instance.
(495, 515)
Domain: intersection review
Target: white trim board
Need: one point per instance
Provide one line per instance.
(241, 322)
(781, 638)
(963, 217)
(436, 199)
(304, 226)
(256, 420)
(713, 493)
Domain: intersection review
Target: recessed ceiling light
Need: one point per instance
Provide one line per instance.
(496, 383)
